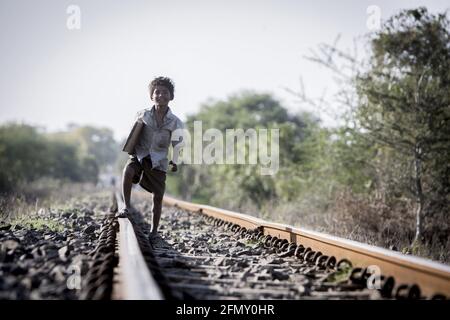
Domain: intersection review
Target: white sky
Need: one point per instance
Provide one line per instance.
(51, 76)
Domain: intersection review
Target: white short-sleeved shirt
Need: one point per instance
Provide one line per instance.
(155, 140)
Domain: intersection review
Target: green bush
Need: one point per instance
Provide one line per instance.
(27, 154)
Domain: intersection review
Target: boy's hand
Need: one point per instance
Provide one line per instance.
(174, 167)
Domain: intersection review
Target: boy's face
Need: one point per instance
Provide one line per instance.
(161, 96)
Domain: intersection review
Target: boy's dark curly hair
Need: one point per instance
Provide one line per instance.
(162, 81)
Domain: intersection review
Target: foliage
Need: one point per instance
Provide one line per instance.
(96, 146)
(405, 105)
(240, 183)
(381, 177)
(28, 154)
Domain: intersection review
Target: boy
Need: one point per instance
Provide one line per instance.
(148, 161)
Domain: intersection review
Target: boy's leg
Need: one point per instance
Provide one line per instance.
(154, 181)
(157, 207)
(127, 183)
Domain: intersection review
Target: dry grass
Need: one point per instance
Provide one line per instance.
(39, 195)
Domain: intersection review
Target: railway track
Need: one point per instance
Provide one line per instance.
(400, 276)
(210, 253)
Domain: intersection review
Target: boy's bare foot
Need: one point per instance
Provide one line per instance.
(123, 213)
(153, 236)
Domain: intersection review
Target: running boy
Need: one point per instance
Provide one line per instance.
(148, 163)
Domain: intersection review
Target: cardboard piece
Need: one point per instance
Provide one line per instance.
(133, 137)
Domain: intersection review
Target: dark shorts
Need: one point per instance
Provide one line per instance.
(152, 180)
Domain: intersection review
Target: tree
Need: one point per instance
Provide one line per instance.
(27, 154)
(98, 144)
(22, 155)
(405, 100)
(238, 184)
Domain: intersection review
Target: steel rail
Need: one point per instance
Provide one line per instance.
(135, 279)
(432, 278)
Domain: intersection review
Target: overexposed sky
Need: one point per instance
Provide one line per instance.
(98, 74)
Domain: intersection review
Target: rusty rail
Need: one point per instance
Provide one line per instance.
(134, 280)
(432, 278)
